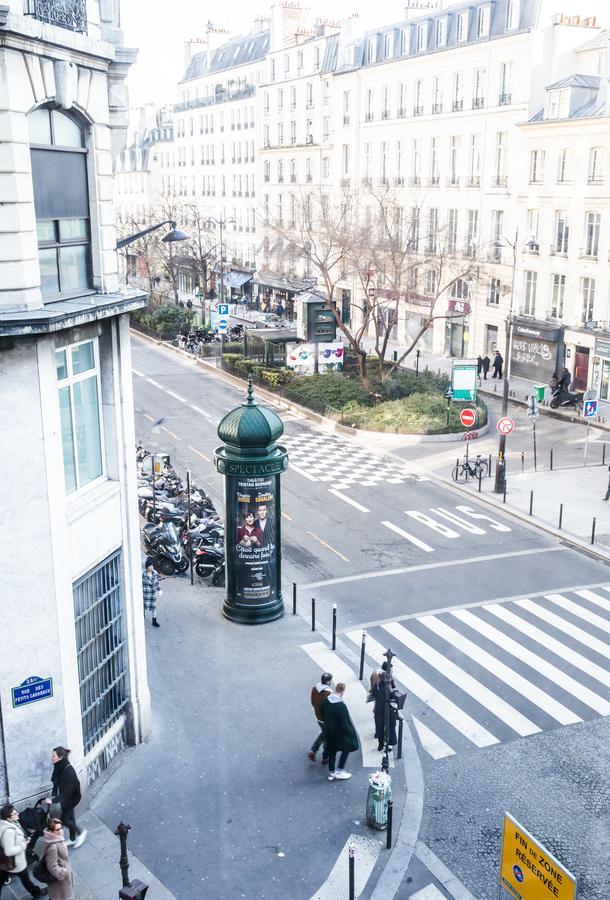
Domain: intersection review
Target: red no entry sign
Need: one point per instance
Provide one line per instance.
(468, 417)
(505, 425)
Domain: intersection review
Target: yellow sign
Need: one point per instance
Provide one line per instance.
(528, 871)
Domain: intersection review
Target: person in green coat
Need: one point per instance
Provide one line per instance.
(341, 736)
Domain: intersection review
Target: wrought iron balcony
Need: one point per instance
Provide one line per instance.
(70, 14)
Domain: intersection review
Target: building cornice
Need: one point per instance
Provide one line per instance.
(69, 313)
(39, 39)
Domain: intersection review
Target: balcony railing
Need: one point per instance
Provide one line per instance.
(452, 181)
(221, 96)
(71, 14)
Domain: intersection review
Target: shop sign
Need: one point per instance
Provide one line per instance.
(602, 347)
(538, 331)
(460, 307)
(420, 300)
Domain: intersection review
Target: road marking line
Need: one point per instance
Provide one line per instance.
(443, 875)
(568, 684)
(286, 516)
(199, 453)
(360, 711)
(348, 500)
(150, 418)
(409, 537)
(579, 611)
(366, 850)
(464, 680)
(573, 631)
(140, 374)
(324, 544)
(436, 565)
(428, 893)
(155, 384)
(175, 396)
(434, 745)
(594, 598)
(302, 472)
(445, 708)
(171, 433)
(517, 682)
(541, 637)
(201, 412)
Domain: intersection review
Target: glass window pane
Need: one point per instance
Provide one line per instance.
(45, 231)
(72, 229)
(83, 358)
(66, 439)
(62, 364)
(49, 273)
(87, 430)
(39, 127)
(65, 131)
(73, 264)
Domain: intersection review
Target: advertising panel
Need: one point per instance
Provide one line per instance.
(254, 542)
(302, 357)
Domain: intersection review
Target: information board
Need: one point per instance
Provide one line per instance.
(464, 382)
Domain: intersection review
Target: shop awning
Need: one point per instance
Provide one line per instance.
(236, 279)
(280, 283)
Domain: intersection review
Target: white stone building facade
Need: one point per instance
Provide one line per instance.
(73, 667)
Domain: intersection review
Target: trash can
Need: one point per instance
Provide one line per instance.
(540, 389)
(380, 791)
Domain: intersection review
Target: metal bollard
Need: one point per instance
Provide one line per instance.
(603, 454)
(388, 843)
(334, 647)
(531, 502)
(489, 467)
(401, 723)
(294, 598)
(313, 613)
(551, 454)
(522, 461)
(560, 515)
(593, 531)
(131, 890)
(362, 646)
(480, 476)
(504, 495)
(352, 879)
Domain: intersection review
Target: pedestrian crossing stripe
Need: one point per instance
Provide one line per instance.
(498, 671)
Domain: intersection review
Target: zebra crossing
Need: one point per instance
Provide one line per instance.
(494, 672)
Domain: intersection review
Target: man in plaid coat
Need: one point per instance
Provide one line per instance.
(150, 589)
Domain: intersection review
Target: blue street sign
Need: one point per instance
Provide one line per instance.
(32, 689)
(223, 309)
(222, 324)
(590, 409)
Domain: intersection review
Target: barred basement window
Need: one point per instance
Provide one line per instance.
(100, 643)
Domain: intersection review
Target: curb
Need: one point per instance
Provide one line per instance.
(551, 413)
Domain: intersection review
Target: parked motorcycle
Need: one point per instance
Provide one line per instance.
(211, 561)
(561, 399)
(162, 544)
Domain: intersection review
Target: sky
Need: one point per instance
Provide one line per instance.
(159, 30)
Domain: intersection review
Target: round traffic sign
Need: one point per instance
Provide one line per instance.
(505, 425)
(468, 417)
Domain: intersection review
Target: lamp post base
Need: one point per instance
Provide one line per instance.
(500, 479)
(253, 615)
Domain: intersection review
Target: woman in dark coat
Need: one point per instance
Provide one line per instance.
(66, 792)
(379, 695)
(341, 736)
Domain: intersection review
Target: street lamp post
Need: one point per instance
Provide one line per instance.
(500, 479)
(385, 762)
(174, 235)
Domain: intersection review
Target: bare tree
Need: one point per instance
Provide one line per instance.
(202, 248)
(145, 249)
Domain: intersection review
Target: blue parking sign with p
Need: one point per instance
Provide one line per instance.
(223, 309)
(589, 409)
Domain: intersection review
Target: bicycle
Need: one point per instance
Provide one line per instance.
(469, 469)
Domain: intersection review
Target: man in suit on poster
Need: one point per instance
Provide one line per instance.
(266, 525)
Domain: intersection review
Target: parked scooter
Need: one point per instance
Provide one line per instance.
(161, 543)
(211, 561)
(560, 399)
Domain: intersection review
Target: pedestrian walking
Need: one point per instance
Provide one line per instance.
(497, 366)
(150, 589)
(56, 860)
(13, 843)
(341, 736)
(380, 691)
(607, 497)
(318, 694)
(486, 365)
(479, 365)
(66, 792)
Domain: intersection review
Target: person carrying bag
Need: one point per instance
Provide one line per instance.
(54, 866)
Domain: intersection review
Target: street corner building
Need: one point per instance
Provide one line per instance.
(72, 664)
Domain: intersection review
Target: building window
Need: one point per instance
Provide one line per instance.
(61, 202)
(472, 233)
(497, 227)
(452, 230)
(441, 32)
(345, 160)
(404, 41)
(596, 165)
(493, 298)
(592, 227)
(458, 92)
(462, 27)
(387, 46)
(564, 166)
(454, 151)
(483, 22)
(325, 167)
(480, 82)
(100, 648)
(500, 177)
(506, 78)
(562, 231)
(437, 94)
(431, 281)
(459, 289)
(587, 290)
(422, 36)
(370, 50)
(533, 221)
(78, 385)
(512, 14)
(537, 166)
(530, 282)
(432, 230)
(558, 289)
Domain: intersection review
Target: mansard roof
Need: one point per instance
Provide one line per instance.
(238, 51)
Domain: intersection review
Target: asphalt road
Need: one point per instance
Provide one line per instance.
(501, 632)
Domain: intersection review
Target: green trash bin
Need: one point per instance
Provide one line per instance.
(380, 791)
(540, 389)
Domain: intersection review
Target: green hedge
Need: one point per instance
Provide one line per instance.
(420, 413)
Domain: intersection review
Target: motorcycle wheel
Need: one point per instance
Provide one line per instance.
(183, 565)
(554, 404)
(203, 569)
(165, 566)
(219, 578)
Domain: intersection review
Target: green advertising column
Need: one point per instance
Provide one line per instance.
(251, 463)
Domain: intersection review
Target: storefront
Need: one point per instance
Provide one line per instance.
(537, 351)
(601, 367)
(457, 328)
(276, 293)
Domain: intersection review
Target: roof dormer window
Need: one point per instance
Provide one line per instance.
(557, 104)
(441, 32)
(462, 27)
(422, 37)
(483, 22)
